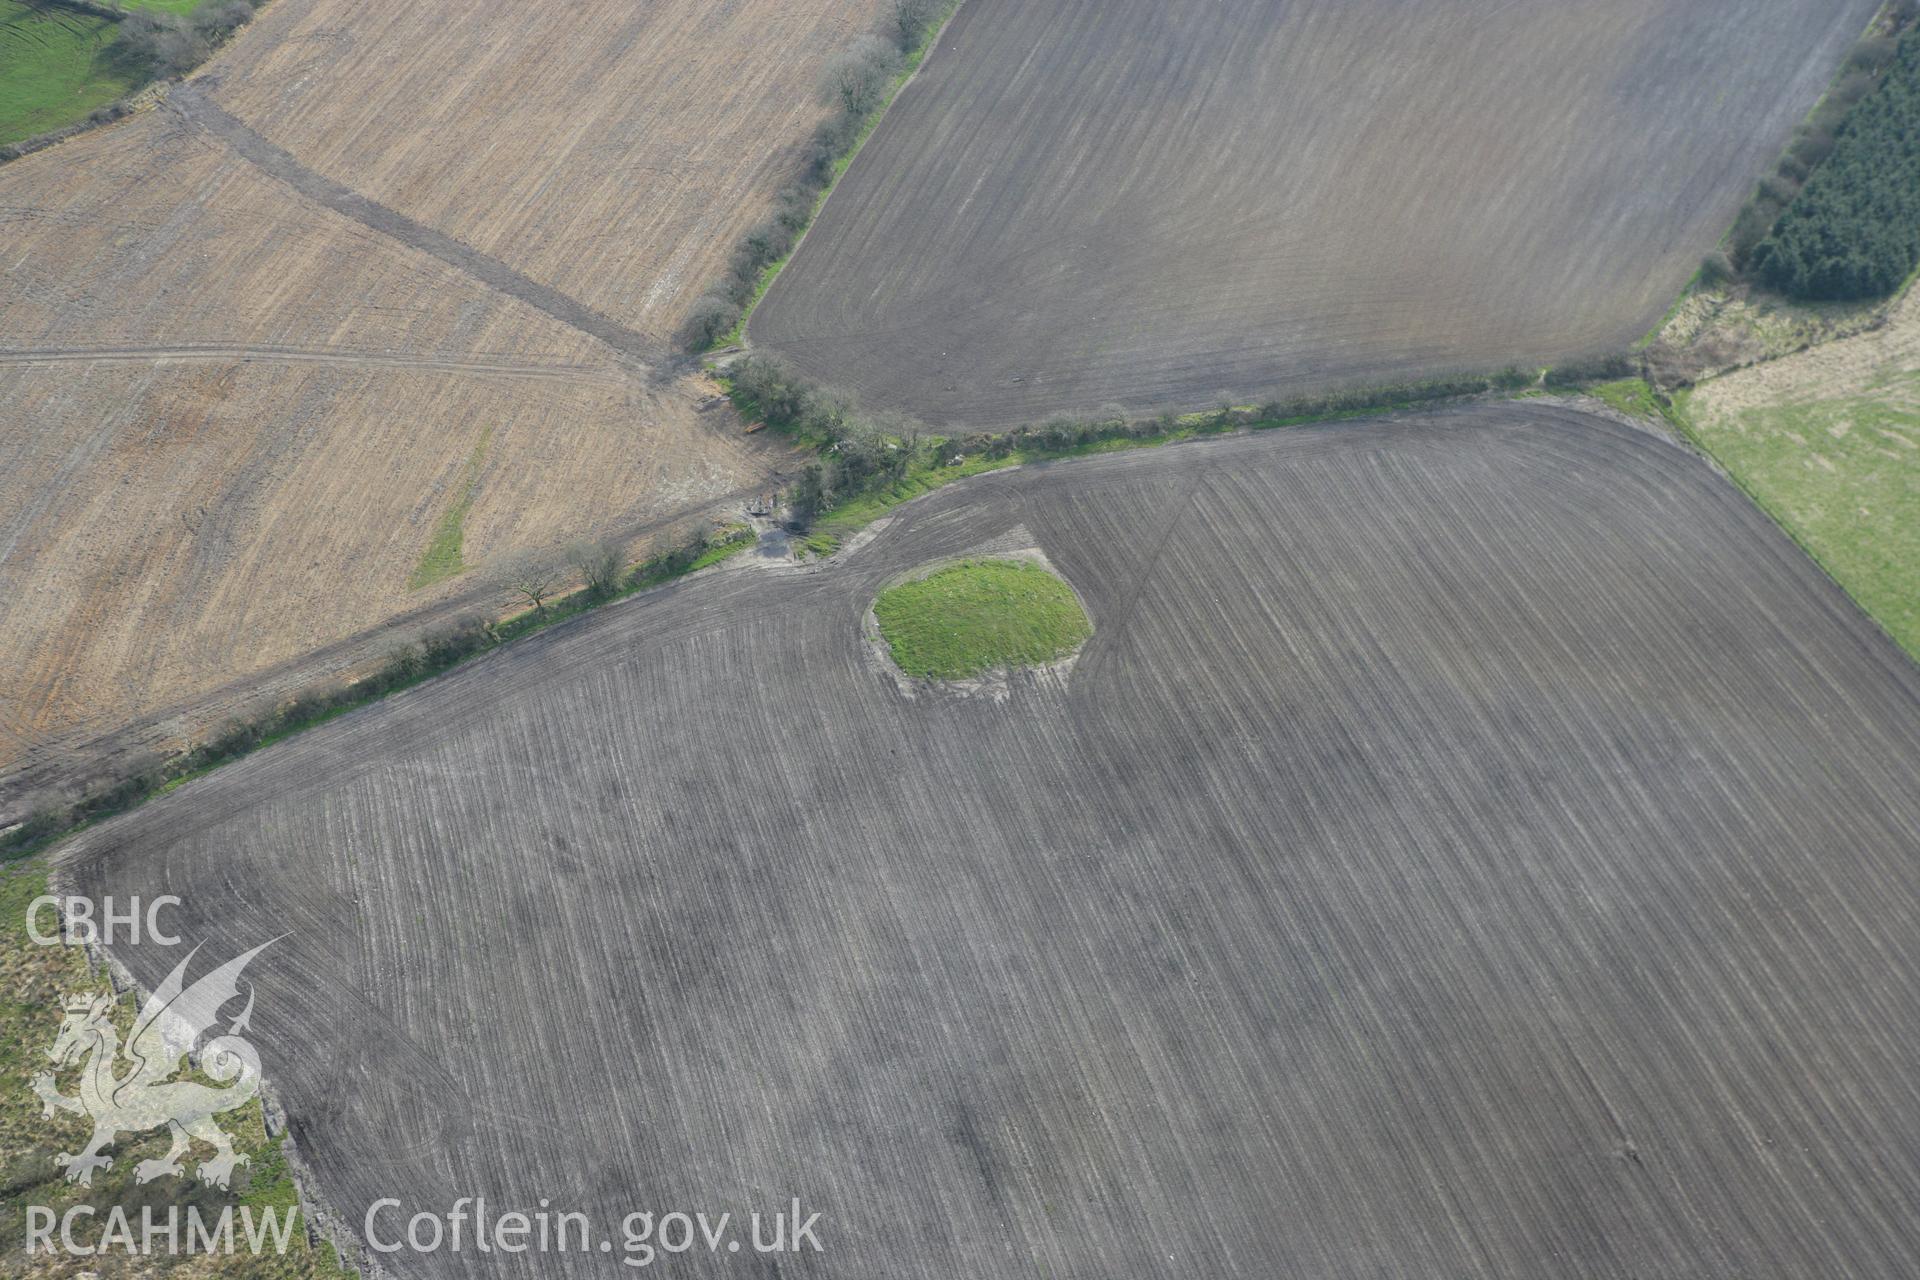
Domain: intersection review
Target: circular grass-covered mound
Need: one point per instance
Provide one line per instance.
(980, 615)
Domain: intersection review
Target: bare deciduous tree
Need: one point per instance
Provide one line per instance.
(406, 661)
(857, 79)
(911, 18)
(599, 565)
(169, 45)
(535, 581)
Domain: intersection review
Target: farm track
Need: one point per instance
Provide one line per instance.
(1474, 844)
(1154, 205)
(219, 354)
(194, 106)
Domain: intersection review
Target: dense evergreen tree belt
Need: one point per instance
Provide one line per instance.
(1854, 229)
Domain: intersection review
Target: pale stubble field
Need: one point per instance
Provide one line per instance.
(251, 341)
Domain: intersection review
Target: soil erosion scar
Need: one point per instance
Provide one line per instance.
(194, 106)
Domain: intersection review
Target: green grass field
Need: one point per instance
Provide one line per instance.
(53, 69)
(980, 615)
(55, 66)
(1630, 396)
(1842, 475)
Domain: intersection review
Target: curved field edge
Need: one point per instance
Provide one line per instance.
(1827, 442)
(1834, 466)
(1810, 407)
(928, 472)
(941, 466)
(930, 469)
(980, 615)
(1686, 556)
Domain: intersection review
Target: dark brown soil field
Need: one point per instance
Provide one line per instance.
(1471, 845)
(1153, 204)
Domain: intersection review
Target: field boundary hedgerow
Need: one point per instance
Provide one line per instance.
(720, 318)
(1309, 635)
(1733, 316)
(605, 579)
(407, 665)
(868, 466)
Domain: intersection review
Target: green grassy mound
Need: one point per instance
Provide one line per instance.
(980, 615)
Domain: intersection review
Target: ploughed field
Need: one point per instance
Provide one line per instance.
(1153, 204)
(374, 263)
(1475, 844)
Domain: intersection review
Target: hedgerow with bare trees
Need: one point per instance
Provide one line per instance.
(863, 456)
(600, 569)
(166, 44)
(857, 83)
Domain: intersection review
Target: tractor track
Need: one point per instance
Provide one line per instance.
(250, 353)
(191, 104)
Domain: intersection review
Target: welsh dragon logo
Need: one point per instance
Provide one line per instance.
(144, 1096)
